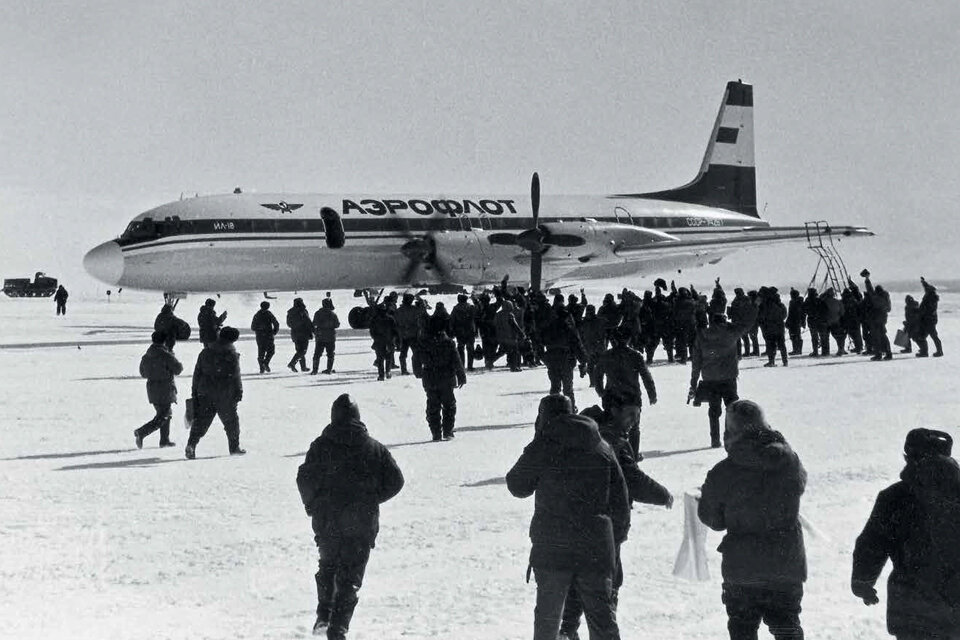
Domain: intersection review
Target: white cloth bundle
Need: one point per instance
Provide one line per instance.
(691, 563)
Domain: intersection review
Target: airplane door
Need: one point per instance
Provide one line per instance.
(333, 231)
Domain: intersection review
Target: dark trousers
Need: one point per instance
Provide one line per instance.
(319, 348)
(205, 410)
(839, 337)
(265, 350)
(774, 343)
(796, 341)
(300, 354)
(441, 409)
(573, 607)
(778, 608)
(61, 308)
(343, 561)
(814, 340)
(384, 359)
(489, 344)
(684, 342)
(932, 333)
(513, 355)
(596, 595)
(823, 337)
(717, 394)
(160, 421)
(465, 349)
(560, 375)
(881, 343)
(853, 330)
(407, 345)
(754, 341)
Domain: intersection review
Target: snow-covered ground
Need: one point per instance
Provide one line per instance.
(101, 540)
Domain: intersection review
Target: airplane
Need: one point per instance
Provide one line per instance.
(301, 242)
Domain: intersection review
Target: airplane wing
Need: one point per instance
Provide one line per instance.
(742, 238)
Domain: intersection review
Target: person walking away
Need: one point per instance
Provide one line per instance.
(685, 324)
(217, 389)
(796, 321)
(509, 334)
(928, 320)
(593, 333)
(640, 488)
(617, 376)
(171, 326)
(159, 366)
(833, 309)
(742, 312)
(879, 311)
(209, 322)
(437, 364)
(851, 316)
(409, 320)
(343, 480)
(911, 323)
(301, 333)
(383, 332)
(60, 297)
(715, 360)
(813, 309)
(265, 328)
(463, 325)
(325, 324)
(563, 349)
(914, 524)
(771, 324)
(581, 514)
(754, 495)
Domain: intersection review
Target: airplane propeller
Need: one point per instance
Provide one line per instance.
(537, 239)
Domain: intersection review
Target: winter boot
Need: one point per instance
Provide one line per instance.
(938, 354)
(190, 452)
(923, 354)
(770, 364)
(168, 443)
(138, 438)
(329, 368)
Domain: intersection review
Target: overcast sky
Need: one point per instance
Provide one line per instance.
(112, 107)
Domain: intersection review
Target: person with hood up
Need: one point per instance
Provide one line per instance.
(437, 364)
(509, 334)
(463, 326)
(563, 349)
(301, 333)
(325, 325)
(581, 514)
(744, 313)
(617, 379)
(265, 327)
(209, 322)
(796, 321)
(343, 480)
(217, 389)
(754, 495)
(159, 366)
(60, 297)
(928, 320)
(911, 322)
(171, 326)
(914, 524)
(715, 359)
(640, 488)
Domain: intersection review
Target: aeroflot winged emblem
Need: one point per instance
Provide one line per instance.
(281, 206)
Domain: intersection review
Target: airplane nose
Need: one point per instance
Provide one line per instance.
(105, 262)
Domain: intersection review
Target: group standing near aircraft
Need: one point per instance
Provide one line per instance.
(299, 242)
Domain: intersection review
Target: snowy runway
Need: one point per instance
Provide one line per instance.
(101, 540)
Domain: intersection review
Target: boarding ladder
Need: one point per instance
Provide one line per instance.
(834, 273)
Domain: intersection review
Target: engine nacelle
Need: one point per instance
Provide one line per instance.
(601, 239)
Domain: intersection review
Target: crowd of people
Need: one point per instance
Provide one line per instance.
(583, 467)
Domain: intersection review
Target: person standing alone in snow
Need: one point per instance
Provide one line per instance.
(60, 297)
(437, 364)
(159, 366)
(754, 495)
(265, 327)
(344, 479)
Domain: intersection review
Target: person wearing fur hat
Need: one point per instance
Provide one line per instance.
(159, 366)
(301, 333)
(715, 360)
(581, 513)
(343, 480)
(325, 324)
(209, 322)
(754, 495)
(914, 524)
(463, 327)
(928, 320)
(217, 389)
(437, 364)
(265, 327)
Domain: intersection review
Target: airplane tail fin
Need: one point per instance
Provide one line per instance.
(727, 176)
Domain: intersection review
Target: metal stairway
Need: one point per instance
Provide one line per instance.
(834, 271)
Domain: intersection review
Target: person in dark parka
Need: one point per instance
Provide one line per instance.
(640, 488)
(301, 333)
(437, 364)
(928, 320)
(171, 326)
(217, 389)
(617, 379)
(742, 312)
(796, 321)
(715, 360)
(593, 334)
(563, 349)
(914, 524)
(852, 319)
(325, 325)
(911, 322)
(60, 297)
(771, 317)
(409, 318)
(581, 514)
(265, 327)
(879, 310)
(817, 323)
(509, 334)
(754, 495)
(384, 333)
(159, 366)
(209, 322)
(463, 326)
(343, 480)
